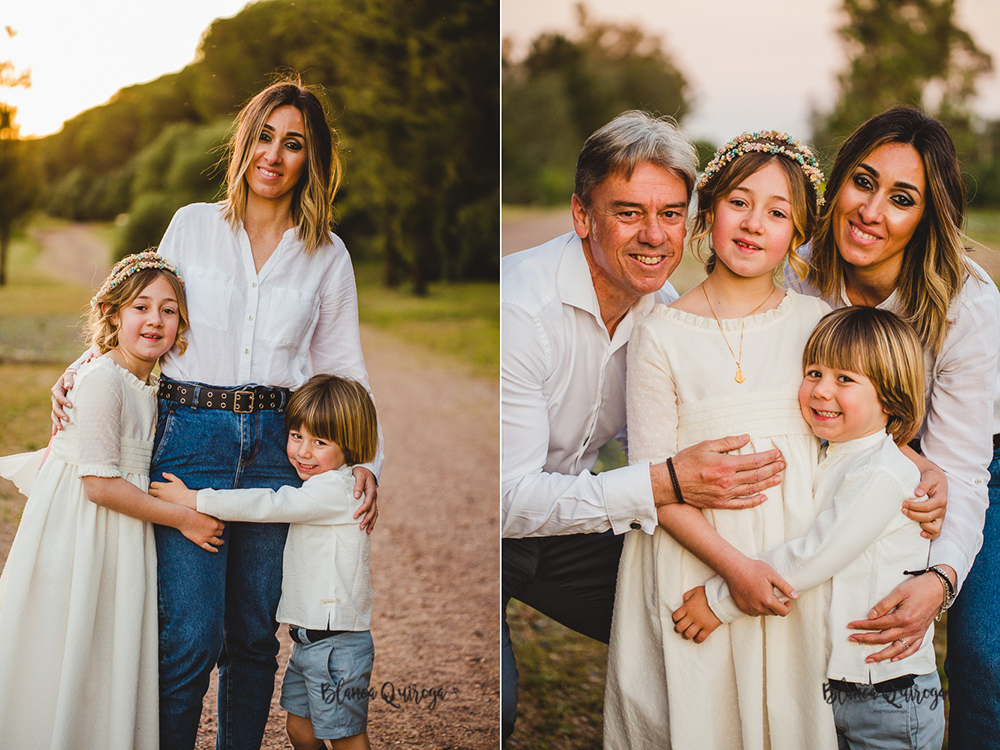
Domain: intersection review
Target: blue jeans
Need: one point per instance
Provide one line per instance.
(973, 662)
(908, 719)
(219, 608)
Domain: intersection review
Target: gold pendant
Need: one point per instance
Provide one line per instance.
(739, 375)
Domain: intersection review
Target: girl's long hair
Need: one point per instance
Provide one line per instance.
(935, 263)
(312, 200)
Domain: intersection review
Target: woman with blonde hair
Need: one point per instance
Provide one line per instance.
(890, 237)
(272, 301)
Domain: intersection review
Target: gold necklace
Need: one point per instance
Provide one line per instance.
(739, 368)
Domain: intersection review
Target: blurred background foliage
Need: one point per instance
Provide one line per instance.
(898, 51)
(414, 97)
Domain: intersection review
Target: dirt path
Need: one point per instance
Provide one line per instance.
(435, 553)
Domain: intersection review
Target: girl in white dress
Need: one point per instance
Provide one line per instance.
(78, 634)
(725, 359)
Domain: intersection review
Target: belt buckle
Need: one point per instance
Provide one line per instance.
(236, 402)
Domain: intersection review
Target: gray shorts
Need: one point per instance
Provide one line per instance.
(327, 682)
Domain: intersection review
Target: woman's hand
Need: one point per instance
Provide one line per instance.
(60, 402)
(752, 586)
(694, 619)
(364, 483)
(203, 530)
(929, 512)
(902, 618)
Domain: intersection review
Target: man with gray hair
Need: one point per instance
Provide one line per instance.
(568, 309)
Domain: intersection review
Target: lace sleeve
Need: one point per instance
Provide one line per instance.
(97, 403)
(651, 398)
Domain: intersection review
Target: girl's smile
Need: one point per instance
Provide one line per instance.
(753, 228)
(147, 328)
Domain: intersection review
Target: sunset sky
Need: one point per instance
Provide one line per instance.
(753, 64)
(81, 52)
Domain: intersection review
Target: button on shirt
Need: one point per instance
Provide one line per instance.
(563, 397)
(298, 316)
(962, 410)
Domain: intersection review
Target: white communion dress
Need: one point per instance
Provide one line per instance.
(78, 627)
(756, 683)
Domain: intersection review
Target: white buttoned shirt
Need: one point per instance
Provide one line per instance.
(861, 541)
(962, 398)
(297, 317)
(562, 397)
(325, 579)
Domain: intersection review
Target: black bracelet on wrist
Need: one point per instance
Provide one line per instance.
(673, 480)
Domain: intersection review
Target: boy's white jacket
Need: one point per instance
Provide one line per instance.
(326, 584)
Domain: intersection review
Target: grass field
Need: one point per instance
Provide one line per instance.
(561, 689)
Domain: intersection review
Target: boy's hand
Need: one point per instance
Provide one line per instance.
(364, 482)
(176, 492)
(60, 400)
(695, 620)
(752, 588)
(203, 530)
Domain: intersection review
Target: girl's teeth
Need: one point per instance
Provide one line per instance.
(827, 413)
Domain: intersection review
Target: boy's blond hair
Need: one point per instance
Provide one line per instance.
(886, 350)
(336, 409)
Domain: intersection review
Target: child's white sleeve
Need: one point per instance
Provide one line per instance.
(322, 504)
(97, 405)
(864, 505)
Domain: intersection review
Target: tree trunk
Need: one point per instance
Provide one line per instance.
(4, 246)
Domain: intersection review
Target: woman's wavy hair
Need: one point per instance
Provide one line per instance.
(803, 194)
(102, 331)
(312, 200)
(934, 260)
(882, 347)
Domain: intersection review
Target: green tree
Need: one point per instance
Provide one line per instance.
(904, 52)
(18, 177)
(568, 86)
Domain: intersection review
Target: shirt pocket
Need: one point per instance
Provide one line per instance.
(209, 295)
(289, 316)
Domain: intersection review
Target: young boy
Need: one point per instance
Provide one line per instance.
(326, 593)
(862, 392)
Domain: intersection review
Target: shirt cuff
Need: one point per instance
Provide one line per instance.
(720, 601)
(628, 493)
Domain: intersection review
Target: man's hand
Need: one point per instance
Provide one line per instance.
(709, 478)
(60, 402)
(695, 620)
(364, 483)
(902, 618)
(931, 504)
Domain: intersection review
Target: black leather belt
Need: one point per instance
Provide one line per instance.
(311, 635)
(887, 686)
(241, 400)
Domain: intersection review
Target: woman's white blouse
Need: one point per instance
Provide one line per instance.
(297, 317)
(962, 411)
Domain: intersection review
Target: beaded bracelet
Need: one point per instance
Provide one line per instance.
(673, 479)
(949, 589)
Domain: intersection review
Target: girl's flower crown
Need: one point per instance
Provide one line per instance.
(770, 142)
(128, 266)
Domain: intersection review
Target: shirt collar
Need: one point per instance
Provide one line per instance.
(889, 303)
(576, 288)
(859, 444)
